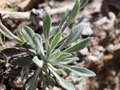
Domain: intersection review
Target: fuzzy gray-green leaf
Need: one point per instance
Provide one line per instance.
(38, 62)
(31, 82)
(64, 55)
(60, 71)
(82, 3)
(23, 61)
(54, 31)
(66, 13)
(37, 40)
(28, 33)
(74, 11)
(54, 55)
(64, 83)
(79, 45)
(80, 71)
(46, 25)
(55, 40)
(66, 60)
(74, 35)
(50, 82)
(1, 41)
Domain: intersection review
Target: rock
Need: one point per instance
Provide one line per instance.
(112, 48)
(82, 85)
(56, 88)
(101, 21)
(92, 58)
(84, 51)
(110, 23)
(2, 87)
(100, 48)
(87, 30)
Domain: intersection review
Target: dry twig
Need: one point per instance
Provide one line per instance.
(33, 14)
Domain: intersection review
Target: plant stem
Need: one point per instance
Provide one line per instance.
(6, 31)
(64, 26)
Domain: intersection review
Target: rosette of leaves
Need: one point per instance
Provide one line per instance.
(50, 54)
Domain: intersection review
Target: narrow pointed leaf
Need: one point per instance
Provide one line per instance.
(74, 11)
(66, 60)
(31, 83)
(37, 40)
(54, 55)
(5, 34)
(48, 48)
(23, 61)
(60, 71)
(38, 62)
(66, 13)
(46, 24)
(50, 82)
(82, 3)
(55, 31)
(55, 41)
(64, 83)
(28, 33)
(64, 55)
(28, 48)
(21, 36)
(79, 45)
(62, 41)
(80, 71)
(1, 41)
(74, 35)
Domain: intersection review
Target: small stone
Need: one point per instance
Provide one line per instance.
(101, 21)
(86, 30)
(2, 87)
(56, 88)
(84, 51)
(92, 58)
(100, 48)
(110, 48)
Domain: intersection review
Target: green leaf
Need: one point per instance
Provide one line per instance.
(31, 83)
(5, 34)
(28, 48)
(1, 41)
(55, 41)
(65, 60)
(74, 11)
(54, 55)
(64, 83)
(60, 72)
(38, 62)
(68, 60)
(28, 33)
(55, 31)
(66, 13)
(80, 71)
(62, 41)
(37, 40)
(64, 55)
(46, 25)
(50, 82)
(23, 61)
(79, 45)
(74, 35)
(82, 3)
(48, 48)
(21, 36)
